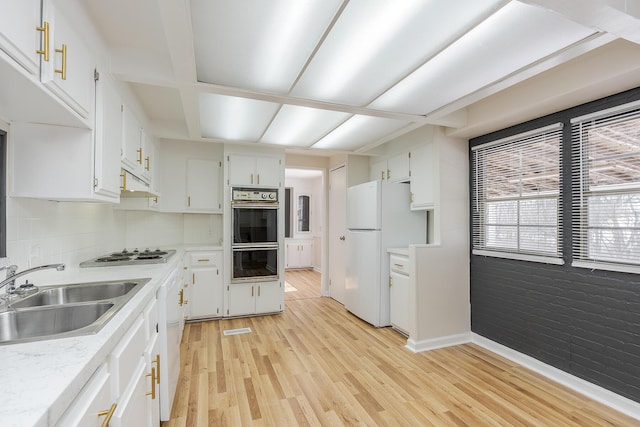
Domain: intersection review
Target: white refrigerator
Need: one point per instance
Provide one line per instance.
(378, 217)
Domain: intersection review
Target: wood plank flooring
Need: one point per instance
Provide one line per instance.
(307, 283)
(317, 365)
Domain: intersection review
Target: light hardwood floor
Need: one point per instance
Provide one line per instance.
(306, 282)
(317, 365)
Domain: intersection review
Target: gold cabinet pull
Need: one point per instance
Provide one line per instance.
(108, 413)
(398, 265)
(147, 163)
(45, 43)
(152, 393)
(388, 174)
(252, 291)
(252, 178)
(411, 197)
(188, 201)
(258, 179)
(181, 299)
(390, 281)
(139, 151)
(258, 290)
(123, 187)
(157, 362)
(193, 278)
(63, 70)
(204, 260)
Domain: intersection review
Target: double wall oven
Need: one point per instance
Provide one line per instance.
(254, 234)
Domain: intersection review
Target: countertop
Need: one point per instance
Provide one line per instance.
(41, 378)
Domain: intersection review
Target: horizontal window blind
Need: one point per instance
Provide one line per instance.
(516, 193)
(606, 187)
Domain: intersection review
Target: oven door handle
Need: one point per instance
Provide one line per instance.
(254, 247)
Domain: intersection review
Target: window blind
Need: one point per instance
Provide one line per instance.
(606, 186)
(516, 199)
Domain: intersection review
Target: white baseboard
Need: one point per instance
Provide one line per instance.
(595, 392)
(432, 344)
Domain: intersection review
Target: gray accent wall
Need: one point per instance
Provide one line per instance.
(584, 322)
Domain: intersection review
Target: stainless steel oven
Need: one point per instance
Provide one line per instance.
(254, 234)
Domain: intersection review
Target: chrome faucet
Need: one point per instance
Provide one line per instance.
(28, 287)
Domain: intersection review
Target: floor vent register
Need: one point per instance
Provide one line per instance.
(237, 331)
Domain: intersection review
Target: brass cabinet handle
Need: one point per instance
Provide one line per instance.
(63, 70)
(388, 174)
(188, 201)
(152, 393)
(398, 265)
(157, 362)
(258, 290)
(139, 151)
(193, 278)
(251, 290)
(45, 44)
(411, 197)
(108, 413)
(181, 299)
(390, 281)
(123, 187)
(258, 179)
(204, 260)
(147, 163)
(252, 178)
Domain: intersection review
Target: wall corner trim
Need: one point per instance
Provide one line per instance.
(440, 342)
(600, 394)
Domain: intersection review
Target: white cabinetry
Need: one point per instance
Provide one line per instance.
(394, 169)
(203, 186)
(205, 289)
(299, 253)
(18, 35)
(94, 403)
(254, 170)
(70, 71)
(423, 176)
(254, 298)
(131, 142)
(399, 292)
(62, 163)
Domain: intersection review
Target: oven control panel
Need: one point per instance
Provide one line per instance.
(254, 195)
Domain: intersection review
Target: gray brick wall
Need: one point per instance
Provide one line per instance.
(584, 322)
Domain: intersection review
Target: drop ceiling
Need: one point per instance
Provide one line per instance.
(339, 75)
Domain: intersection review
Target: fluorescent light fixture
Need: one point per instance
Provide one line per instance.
(516, 36)
(302, 173)
(233, 118)
(301, 126)
(257, 45)
(359, 131)
(375, 43)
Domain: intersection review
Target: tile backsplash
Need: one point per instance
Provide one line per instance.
(41, 231)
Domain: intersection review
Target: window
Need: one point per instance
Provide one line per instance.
(303, 213)
(606, 187)
(516, 196)
(3, 194)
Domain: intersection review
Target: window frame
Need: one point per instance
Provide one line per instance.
(480, 200)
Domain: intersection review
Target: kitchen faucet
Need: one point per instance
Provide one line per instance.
(27, 287)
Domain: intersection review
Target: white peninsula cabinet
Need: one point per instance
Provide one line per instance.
(248, 170)
(399, 292)
(205, 284)
(254, 298)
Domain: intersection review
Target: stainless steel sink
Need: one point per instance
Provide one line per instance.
(68, 294)
(49, 321)
(65, 310)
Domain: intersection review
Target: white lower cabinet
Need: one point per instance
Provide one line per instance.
(254, 298)
(94, 404)
(205, 284)
(399, 292)
(299, 253)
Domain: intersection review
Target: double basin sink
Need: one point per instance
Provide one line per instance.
(65, 310)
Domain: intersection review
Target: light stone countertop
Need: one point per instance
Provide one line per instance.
(40, 379)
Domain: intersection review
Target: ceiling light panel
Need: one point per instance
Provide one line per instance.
(516, 36)
(301, 126)
(233, 118)
(257, 45)
(359, 131)
(375, 43)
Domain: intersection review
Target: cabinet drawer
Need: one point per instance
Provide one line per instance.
(399, 264)
(126, 356)
(205, 258)
(94, 398)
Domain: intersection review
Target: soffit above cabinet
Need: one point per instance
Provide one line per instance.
(331, 74)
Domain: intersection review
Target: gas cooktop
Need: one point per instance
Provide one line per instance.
(127, 257)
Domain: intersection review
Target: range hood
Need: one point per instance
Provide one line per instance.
(132, 186)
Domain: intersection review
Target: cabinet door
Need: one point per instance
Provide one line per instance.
(292, 255)
(269, 297)
(94, 399)
(108, 137)
(203, 185)
(18, 35)
(70, 71)
(152, 359)
(306, 254)
(146, 145)
(242, 299)
(131, 135)
(132, 405)
(268, 171)
(378, 171)
(205, 292)
(423, 176)
(242, 170)
(398, 168)
(399, 301)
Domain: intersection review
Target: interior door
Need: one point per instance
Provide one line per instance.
(337, 232)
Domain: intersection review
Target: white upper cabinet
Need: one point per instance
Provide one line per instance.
(131, 142)
(260, 171)
(203, 186)
(18, 35)
(423, 176)
(69, 73)
(394, 169)
(378, 171)
(148, 161)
